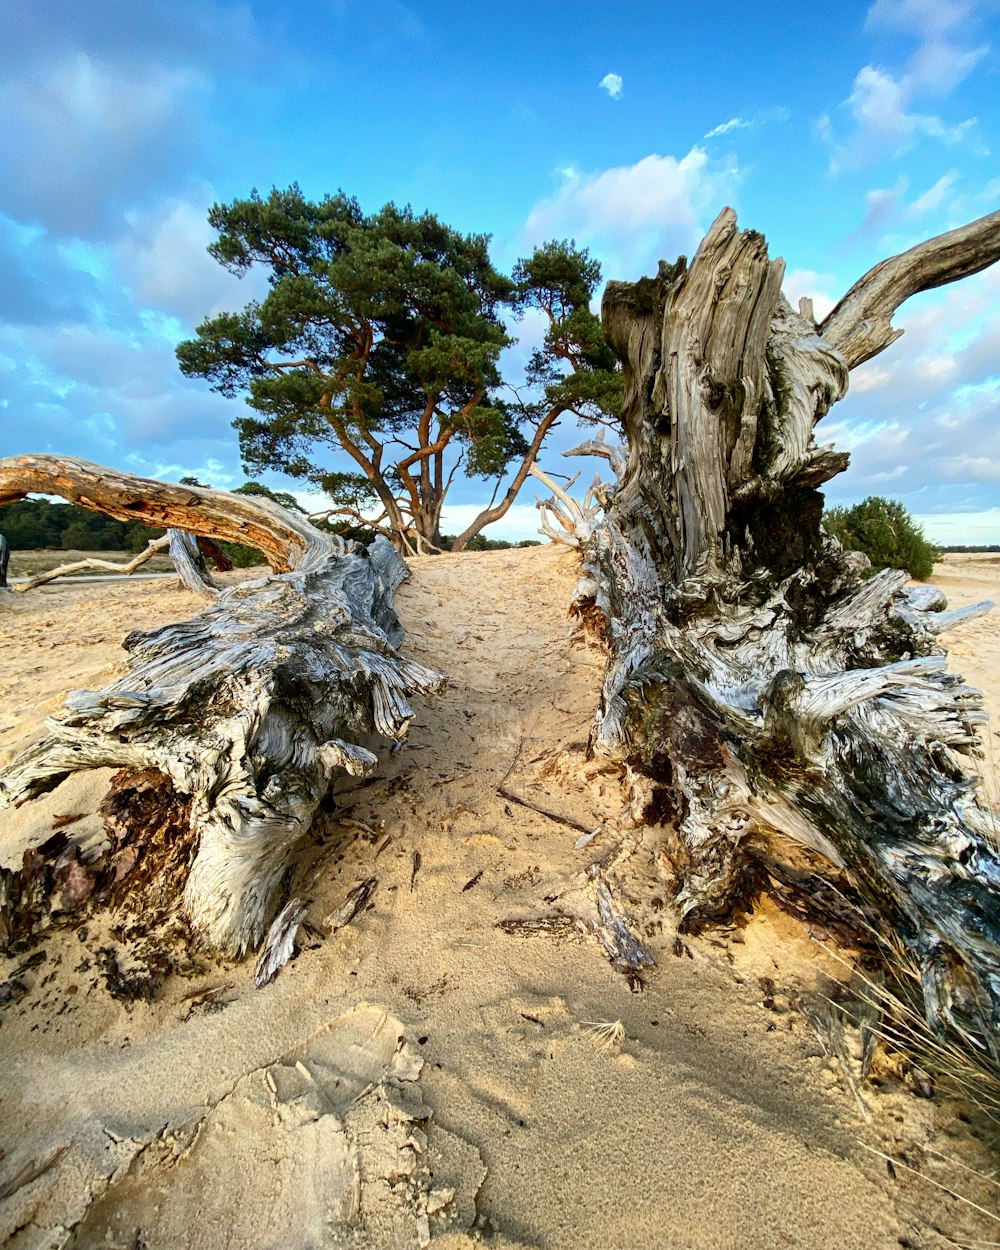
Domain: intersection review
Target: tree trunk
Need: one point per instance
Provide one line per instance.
(794, 720)
(251, 708)
(497, 511)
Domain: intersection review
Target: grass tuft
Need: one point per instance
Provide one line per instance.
(605, 1034)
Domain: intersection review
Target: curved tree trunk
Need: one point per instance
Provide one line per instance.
(251, 708)
(796, 721)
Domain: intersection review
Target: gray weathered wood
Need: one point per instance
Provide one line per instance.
(253, 707)
(189, 562)
(93, 562)
(861, 324)
(796, 720)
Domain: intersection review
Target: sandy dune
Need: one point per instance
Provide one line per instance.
(426, 1072)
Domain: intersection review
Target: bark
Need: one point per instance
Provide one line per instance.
(251, 708)
(791, 723)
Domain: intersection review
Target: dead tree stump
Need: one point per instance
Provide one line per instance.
(250, 708)
(794, 718)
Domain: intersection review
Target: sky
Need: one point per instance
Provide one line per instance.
(844, 132)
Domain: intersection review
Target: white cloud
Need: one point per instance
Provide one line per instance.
(885, 123)
(211, 471)
(165, 261)
(612, 84)
(932, 199)
(520, 523)
(925, 415)
(632, 215)
(939, 63)
(883, 104)
(870, 377)
(734, 123)
(82, 134)
(936, 368)
(973, 528)
(888, 207)
(985, 468)
(821, 288)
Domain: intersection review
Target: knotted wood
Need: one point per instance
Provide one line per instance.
(253, 707)
(795, 720)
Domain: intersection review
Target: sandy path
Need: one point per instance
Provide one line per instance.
(713, 1124)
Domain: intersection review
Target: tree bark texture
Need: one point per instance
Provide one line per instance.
(791, 721)
(253, 707)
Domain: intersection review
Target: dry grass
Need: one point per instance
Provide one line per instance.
(605, 1033)
(889, 1008)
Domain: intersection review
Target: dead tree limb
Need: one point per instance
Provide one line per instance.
(189, 562)
(861, 324)
(795, 720)
(286, 540)
(92, 562)
(251, 708)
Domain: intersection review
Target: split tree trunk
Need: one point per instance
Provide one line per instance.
(795, 720)
(251, 708)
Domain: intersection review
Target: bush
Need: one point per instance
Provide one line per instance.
(886, 533)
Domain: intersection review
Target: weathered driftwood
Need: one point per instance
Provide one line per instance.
(187, 551)
(251, 708)
(94, 562)
(574, 518)
(795, 721)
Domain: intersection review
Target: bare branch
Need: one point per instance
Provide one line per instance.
(286, 540)
(66, 570)
(861, 324)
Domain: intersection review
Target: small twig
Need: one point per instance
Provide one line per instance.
(513, 764)
(30, 1172)
(542, 811)
(416, 868)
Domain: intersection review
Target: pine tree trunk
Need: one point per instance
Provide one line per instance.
(794, 720)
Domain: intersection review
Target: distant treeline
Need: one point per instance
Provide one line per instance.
(479, 543)
(31, 524)
(991, 547)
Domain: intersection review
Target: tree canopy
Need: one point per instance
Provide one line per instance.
(381, 336)
(886, 533)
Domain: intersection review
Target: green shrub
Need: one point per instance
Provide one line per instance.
(886, 533)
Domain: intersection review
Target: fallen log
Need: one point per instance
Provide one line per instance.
(789, 720)
(251, 708)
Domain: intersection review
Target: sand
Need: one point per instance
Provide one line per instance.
(424, 1073)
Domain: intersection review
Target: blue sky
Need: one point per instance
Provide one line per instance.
(843, 132)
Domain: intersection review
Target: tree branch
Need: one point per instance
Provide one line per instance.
(287, 541)
(861, 324)
(494, 513)
(66, 570)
